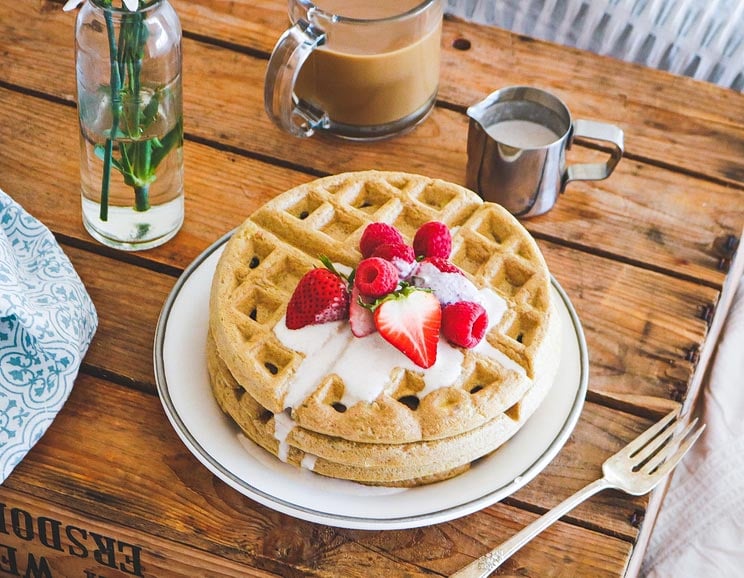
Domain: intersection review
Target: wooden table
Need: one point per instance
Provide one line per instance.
(644, 256)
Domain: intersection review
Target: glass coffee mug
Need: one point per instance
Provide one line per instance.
(362, 70)
(517, 142)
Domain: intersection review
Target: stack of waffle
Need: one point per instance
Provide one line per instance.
(404, 433)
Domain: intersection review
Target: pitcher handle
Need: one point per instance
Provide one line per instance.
(596, 131)
(282, 105)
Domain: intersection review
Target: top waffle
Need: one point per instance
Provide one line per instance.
(265, 258)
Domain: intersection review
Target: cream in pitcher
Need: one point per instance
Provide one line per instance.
(363, 70)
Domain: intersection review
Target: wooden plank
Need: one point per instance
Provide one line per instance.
(42, 173)
(111, 453)
(40, 538)
(641, 327)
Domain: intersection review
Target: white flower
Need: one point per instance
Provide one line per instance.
(132, 5)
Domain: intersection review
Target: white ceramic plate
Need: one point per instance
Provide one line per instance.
(183, 386)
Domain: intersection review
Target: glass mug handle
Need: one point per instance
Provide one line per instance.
(284, 109)
(596, 131)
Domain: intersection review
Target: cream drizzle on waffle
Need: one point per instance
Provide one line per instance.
(364, 364)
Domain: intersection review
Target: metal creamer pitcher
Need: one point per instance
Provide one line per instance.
(517, 142)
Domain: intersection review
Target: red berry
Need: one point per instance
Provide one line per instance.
(378, 234)
(443, 265)
(433, 239)
(409, 320)
(464, 323)
(376, 277)
(320, 296)
(392, 251)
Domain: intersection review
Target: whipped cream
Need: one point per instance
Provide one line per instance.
(364, 363)
(448, 287)
(283, 424)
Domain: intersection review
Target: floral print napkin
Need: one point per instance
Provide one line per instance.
(47, 321)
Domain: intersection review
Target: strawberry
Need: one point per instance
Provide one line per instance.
(433, 239)
(320, 296)
(464, 323)
(378, 234)
(409, 320)
(361, 318)
(376, 277)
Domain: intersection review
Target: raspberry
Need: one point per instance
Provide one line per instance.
(392, 251)
(376, 277)
(464, 323)
(378, 234)
(398, 254)
(443, 265)
(433, 239)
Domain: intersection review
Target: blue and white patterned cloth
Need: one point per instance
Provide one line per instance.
(47, 322)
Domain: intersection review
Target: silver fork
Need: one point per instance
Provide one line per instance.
(635, 469)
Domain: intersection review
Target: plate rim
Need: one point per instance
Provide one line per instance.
(346, 520)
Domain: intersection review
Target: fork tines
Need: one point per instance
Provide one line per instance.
(666, 434)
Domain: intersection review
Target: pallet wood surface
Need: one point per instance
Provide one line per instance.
(110, 490)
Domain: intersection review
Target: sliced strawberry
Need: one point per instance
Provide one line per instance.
(320, 296)
(464, 323)
(409, 319)
(361, 318)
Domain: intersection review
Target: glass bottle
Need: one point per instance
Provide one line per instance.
(130, 108)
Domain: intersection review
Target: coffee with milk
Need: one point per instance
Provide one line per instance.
(376, 72)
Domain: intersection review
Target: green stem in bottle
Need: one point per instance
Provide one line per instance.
(142, 198)
(115, 114)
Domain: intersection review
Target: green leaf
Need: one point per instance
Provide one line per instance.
(100, 151)
(150, 112)
(173, 139)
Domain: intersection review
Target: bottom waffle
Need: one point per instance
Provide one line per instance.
(406, 464)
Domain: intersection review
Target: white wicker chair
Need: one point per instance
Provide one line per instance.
(703, 39)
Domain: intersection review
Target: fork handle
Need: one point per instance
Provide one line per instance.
(487, 563)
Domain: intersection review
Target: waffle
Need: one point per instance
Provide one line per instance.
(406, 433)
(406, 464)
